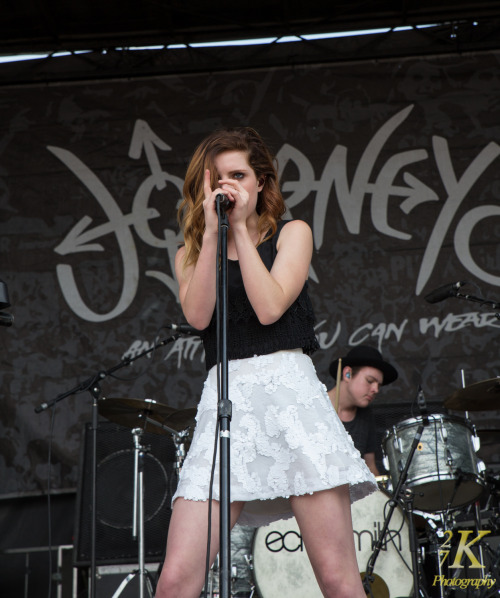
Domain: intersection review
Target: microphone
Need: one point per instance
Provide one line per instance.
(6, 319)
(442, 293)
(184, 329)
(223, 201)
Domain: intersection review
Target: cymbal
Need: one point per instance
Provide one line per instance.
(481, 396)
(146, 414)
(181, 419)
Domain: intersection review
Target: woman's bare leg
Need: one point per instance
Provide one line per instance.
(325, 523)
(183, 572)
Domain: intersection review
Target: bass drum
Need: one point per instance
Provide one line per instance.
(282, 567)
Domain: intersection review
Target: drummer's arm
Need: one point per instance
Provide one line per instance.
(370, 461)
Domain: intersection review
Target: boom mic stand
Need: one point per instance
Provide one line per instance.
(417, 588)
(224, 405)
(485, 302)
(93, 386)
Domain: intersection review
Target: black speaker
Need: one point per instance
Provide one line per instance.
(116, 457)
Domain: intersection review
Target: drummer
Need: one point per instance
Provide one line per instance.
(363, 372)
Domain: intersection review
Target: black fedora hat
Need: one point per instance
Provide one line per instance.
(363, 355)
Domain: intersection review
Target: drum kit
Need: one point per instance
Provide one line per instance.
(405, 535)
(450, 489)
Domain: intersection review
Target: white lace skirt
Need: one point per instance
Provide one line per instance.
(286, 439)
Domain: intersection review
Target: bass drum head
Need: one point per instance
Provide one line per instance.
(280, 561)
(282, 567)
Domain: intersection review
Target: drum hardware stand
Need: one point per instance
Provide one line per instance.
(418, 589)
(234, 578)
(213, 572)
(494, 570)
(177, 439)
(180, 449)
(477, 522)
(408, 502)
(92, 385)
(434, 536)
(249, 562)
(138, 518)
(450, 524)
(211, 578)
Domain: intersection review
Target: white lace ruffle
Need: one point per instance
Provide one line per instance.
(286, 439)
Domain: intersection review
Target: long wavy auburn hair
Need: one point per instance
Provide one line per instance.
(270, 204)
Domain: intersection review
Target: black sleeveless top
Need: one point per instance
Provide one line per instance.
(246, 336)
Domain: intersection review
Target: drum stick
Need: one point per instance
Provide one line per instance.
(463, 386)
(337, 388)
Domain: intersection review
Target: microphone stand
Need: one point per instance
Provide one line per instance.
(368, 579)
(224, 410)
(492, 304)
(92, 385)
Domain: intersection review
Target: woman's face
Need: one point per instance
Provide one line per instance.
(234, 165)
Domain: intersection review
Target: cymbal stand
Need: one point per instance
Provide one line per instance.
(92, 385)
(138, 519)
(418, 588)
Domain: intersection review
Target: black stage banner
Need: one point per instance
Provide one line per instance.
(394, 164)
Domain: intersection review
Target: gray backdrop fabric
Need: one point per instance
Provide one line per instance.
(393, 164)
